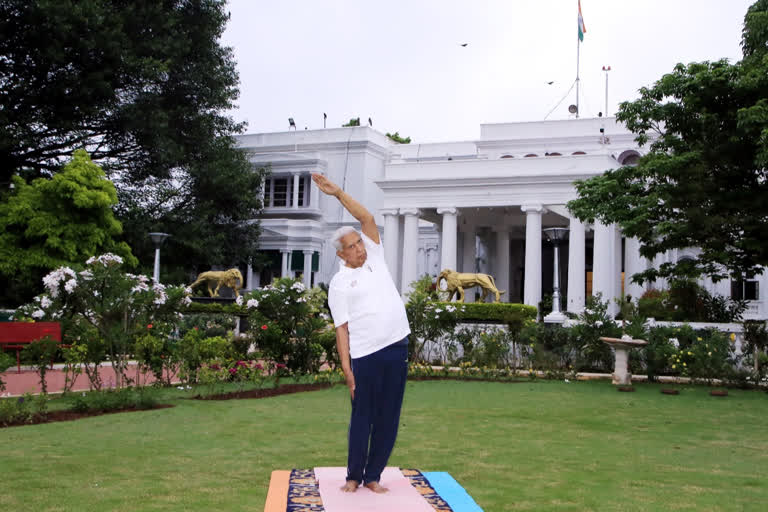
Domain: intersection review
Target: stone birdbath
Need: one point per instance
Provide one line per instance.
(621, 347)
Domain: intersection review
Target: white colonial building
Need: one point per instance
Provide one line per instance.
(477, 206)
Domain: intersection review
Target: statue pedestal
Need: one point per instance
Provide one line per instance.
(621, 347)
(555, 317)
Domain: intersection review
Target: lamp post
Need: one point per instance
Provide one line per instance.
(556, 235)
(157, 239)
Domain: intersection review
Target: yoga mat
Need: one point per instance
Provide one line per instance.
(277, 496)
(453, 494)
(402, 496)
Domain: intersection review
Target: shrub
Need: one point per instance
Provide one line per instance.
(40, 354)
(686, 301)
(193, 350)
(6, 362)
(755, 347)
(594, 323)
(114, 400)
(290, 325)
(657, 355)
(549, 346)
(14, 411)
(115, 304)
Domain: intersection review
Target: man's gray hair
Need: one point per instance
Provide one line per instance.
(339, 234)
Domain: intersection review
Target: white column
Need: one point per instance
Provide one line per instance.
(633, 264)
(390, 239)
(532, 283)
(576, 267)
(604, 265)
(448, 254)
(410, 248)
(284, 267)
(263, 191)
(501, 270)
(308, 269)
(295, 190)
(249, 277)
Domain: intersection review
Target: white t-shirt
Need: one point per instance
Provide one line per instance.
(367, 299)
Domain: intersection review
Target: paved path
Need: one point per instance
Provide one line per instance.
(29, 382)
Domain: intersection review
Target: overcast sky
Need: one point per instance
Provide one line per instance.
(401, 62)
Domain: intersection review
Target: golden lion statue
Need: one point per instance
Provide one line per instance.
(231, 278)
(456, 282)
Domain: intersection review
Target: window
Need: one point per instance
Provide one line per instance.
(745, 290)
(280, 194)
(278, 191)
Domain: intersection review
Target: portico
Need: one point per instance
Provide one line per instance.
(490, 201)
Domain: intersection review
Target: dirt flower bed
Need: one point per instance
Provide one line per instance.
(54, 416)
(286, 389)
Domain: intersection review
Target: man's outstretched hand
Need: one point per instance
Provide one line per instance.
(326, 185)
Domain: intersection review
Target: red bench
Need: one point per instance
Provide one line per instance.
(17, 335)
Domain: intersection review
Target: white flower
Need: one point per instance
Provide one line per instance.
(52, 280)
(186, 301)
(141, 287)
(324, 316)
(438, 310)
(298, 286)
(301, 299)
(45, 302)
(70, 285)
(106, 259)
(450, 309)
(588, 311)
(252, 303)
(674, 342)
(38, 314)
(188, 290)
(86, 274)
(239, 300)
(598, 323)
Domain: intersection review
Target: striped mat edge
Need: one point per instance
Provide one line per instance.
(297, 491)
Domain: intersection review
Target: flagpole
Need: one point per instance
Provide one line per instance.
(578, 52)
(578, 49)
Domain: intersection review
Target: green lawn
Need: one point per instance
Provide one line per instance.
(520, 446)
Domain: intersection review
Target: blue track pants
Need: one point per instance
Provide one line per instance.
(379, 388)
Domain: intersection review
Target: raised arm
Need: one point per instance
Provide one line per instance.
(358, 211)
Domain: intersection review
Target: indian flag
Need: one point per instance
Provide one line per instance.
(582, 28)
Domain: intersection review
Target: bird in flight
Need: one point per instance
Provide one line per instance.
(550, 83)
(463, 45)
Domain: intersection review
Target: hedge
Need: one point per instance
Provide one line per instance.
(492, 311)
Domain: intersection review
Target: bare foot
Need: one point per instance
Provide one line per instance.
(350, 486)
(376, 487)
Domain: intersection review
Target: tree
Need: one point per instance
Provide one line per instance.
(56, 222)
(354, 121)
(704, 180)
(142, 86)
(396, 138)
